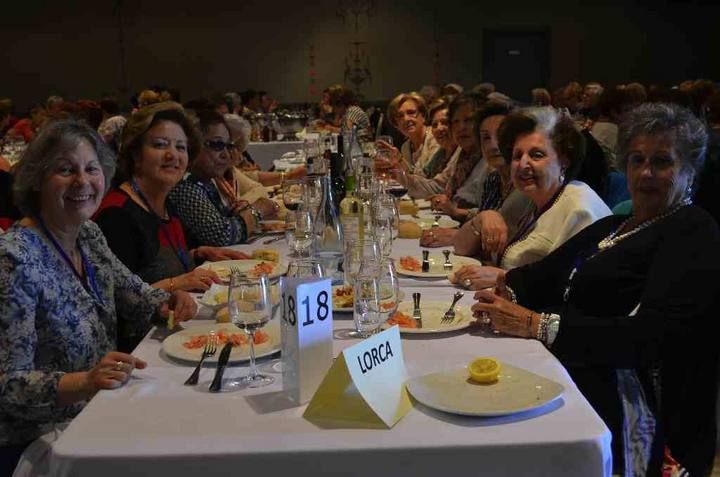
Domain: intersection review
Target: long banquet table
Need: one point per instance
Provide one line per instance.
(156, 424)
(264, 153)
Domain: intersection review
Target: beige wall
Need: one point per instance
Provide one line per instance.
(71, 48)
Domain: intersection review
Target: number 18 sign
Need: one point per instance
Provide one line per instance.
(307, 335)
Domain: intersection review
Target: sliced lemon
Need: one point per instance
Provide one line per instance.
(484, 370)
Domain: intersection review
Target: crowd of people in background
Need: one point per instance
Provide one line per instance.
(578, 195)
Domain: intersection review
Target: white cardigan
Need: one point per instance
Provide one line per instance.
(577, 207)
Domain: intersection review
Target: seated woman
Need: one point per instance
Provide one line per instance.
(247, 176)
(407, 113)
(63, 291)
(629, 304)
(434, 177)
(140, 226)
(545, 151)
(207, 221)
(467, 174)
(498, 190)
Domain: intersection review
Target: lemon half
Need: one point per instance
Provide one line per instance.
(484, 370)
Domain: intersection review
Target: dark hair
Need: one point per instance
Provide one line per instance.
(492, 107)
(110, 106)
(688, 133)
(464, 99)
(341, 96)
(141, 122)
(435, 106)
(247, 95)
(613, 102)
(205, 119)
(567, 140)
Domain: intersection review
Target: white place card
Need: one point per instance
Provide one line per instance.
(307, 335)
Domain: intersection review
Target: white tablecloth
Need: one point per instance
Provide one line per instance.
(264, 153)
(155, 424)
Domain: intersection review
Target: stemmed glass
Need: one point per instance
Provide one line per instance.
(313, 194)
(389, 288)
(293, 191)
(383, 229)
(250, 308)
(376, 296)
(357, 253)
(299, 232)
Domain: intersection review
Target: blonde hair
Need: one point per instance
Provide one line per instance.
(148, 97)
(398, 101)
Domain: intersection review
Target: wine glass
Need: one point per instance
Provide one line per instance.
(356, 253)
(299, 232)
(293, 191)
(367, 296)
(313, 194)
(250, 308)
(383, 229)
(389, 288)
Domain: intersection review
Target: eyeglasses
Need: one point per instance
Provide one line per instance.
(410, 113)
(220, 145)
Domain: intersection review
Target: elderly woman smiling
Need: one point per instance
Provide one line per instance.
(629, 305)
(62, 289)
(545, 151)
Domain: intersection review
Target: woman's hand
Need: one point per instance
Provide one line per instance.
(476, 277)
(493, 231)
(437, 237)
(443, 204)
(113, 370)
(267, 208)
(296, 173)
(183, 306)
(199, 279)
(215, 254)
(505, 316)
(390, 156)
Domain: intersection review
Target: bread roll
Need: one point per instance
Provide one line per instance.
(409, 229)
(407, 207)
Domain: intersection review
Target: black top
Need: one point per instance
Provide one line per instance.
(136, 237)
(8, 212)
(672, 270)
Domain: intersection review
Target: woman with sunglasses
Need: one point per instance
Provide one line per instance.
(198, 201)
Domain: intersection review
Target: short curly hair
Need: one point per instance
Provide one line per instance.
(688, 133)
(43, 152)
(141, 122)
(567, 140)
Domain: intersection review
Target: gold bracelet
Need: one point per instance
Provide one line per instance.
(172, 285)
(529, 325)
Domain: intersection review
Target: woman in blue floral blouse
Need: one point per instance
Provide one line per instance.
(61, 290)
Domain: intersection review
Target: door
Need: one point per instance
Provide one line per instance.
(516, 61)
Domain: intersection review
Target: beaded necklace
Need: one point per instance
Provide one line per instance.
(612, 240)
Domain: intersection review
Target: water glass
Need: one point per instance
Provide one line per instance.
(367, 312)
(357, 252)
(250, 308)
(299, 232)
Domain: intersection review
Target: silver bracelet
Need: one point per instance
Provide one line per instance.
(548, 328)
(511, 294)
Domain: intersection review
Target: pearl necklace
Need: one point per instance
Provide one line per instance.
(612, 239)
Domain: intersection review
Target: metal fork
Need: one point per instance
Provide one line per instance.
(417, 313)
(449, 315)
(209, 350)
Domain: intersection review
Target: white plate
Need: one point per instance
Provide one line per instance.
(516, 390)
(173, 344)
(436, 259)
(349, 309)
(426, 221)
(432, 313)
(222, 268)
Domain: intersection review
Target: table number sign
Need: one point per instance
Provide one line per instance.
(365, 386)
(307, 335)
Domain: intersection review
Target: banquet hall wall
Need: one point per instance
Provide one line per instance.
(72, 48)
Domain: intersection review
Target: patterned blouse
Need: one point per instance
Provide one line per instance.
(51, 325)
(206, 219)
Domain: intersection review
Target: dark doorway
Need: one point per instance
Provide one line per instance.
(516, 61)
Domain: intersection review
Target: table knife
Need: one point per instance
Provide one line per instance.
(222, 362)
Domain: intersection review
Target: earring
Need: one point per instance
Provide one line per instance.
(562, 176)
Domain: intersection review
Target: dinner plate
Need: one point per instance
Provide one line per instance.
(173, 344)
(349, 309)
(426, 221)
(437, 260)
(432, 313)
(222, 268)
(516, 390)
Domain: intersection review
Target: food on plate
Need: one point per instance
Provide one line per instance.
(403, 320)
(484, 370)
(262, 268)
(224, 336)
(272, 226)
(343, 297)
(408, 207)
(267, 254)
(409, 229)
(410, 263)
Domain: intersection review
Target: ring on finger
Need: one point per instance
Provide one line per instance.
(467, 283)
(485, 318)
(119, 366)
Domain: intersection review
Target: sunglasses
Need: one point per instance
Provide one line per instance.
(220, 145)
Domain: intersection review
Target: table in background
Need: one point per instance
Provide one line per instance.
(155, 424)
(264, 153)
